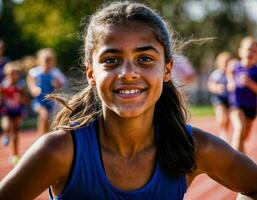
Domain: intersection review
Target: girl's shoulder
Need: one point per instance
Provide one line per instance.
(48, 161)
(207, 143)
(53, 152)
(222, 163)
(212, 154)
(57, 143)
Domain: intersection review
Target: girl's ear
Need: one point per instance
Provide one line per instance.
(90, 75)
(167, 71)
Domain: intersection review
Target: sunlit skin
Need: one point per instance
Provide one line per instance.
(133, 63)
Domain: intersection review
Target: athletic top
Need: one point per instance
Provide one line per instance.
(243, 96)
(88, 179)
(11, 96)
(218, 76)
(44, 81)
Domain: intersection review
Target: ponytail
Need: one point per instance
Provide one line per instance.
(175, 149)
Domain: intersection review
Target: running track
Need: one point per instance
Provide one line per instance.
(203, 188)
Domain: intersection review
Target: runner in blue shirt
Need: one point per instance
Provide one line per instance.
(42, 80)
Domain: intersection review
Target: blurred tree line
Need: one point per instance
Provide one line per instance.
(32, 24)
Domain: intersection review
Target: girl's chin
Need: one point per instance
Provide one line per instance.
(128, 114)
(134, 112)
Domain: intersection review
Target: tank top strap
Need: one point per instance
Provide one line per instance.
(76, 146)
(189, 129)
(82, 147)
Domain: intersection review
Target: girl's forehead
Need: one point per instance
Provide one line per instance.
(124, 34)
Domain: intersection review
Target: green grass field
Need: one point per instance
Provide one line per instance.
(29, 123)
(201, 110)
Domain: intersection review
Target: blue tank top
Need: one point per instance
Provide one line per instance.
(43, 81)
(88, 179)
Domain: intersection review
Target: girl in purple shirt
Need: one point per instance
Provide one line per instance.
(243, 92)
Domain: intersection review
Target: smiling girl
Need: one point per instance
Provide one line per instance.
(125, 135)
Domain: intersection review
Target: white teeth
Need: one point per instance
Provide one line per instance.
(133, 91)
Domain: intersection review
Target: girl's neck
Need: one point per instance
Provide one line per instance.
(126, 137)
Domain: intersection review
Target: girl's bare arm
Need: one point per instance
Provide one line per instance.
(225, 165)
(33, 88)
(46, 162)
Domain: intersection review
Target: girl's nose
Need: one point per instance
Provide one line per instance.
(128, 71)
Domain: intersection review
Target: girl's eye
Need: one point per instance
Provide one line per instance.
(112, 61)
(145, 59)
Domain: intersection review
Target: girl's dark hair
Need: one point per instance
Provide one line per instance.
(175, 148)
(174, 144)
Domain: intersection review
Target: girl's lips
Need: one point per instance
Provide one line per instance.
(129, 91)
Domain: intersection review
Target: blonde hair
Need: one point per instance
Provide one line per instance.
(46, 51)
(12, 66)
(222, 58)
(29, 62)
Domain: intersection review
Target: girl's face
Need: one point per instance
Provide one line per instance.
(14, 76)
(223, 62)
(128, 70)
(248, 52)
(47, 61)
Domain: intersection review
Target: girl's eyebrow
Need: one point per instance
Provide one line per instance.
(139, 49)
(111, 50)
(146, 48)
